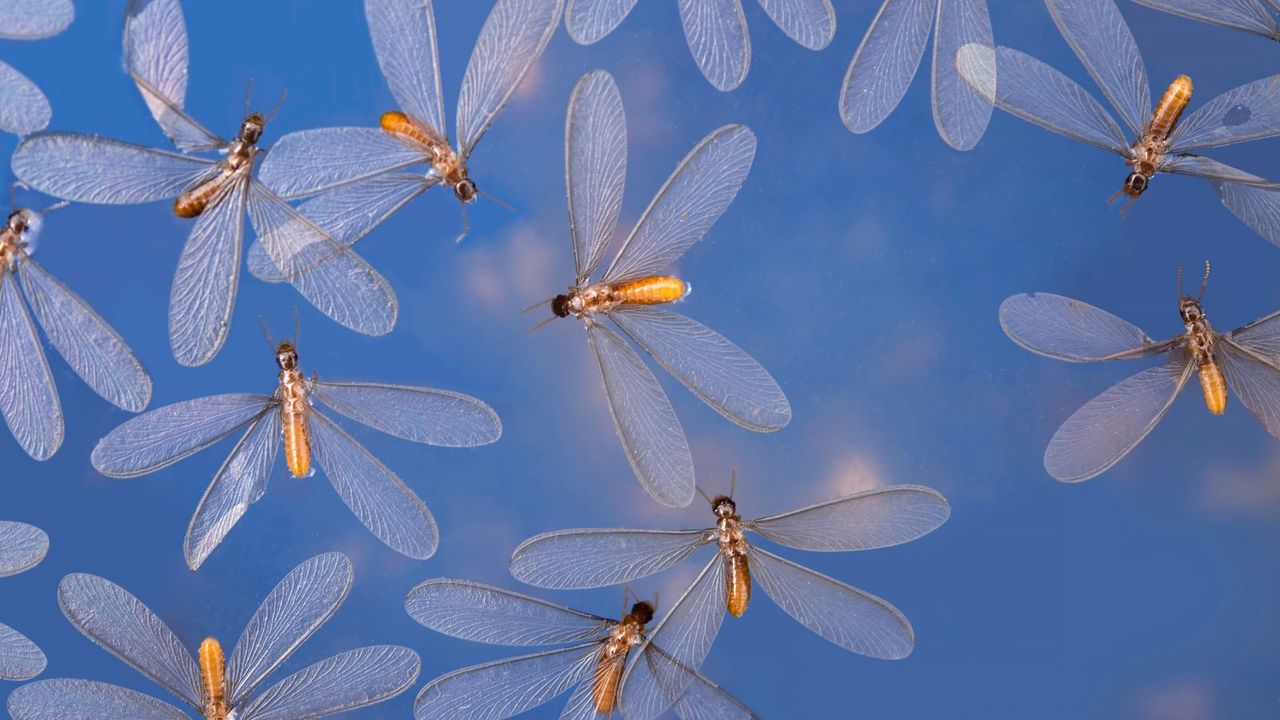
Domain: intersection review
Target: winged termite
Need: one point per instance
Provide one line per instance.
(631, 293)
(1102, 432)
(886, 61)
(22, 547)
(853, 619)
(218, 687)
(1253, 16)
(289, 417)
(597, 653)
(216, 193)
(23, 107)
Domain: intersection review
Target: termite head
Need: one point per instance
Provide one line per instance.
(560, 305)
(723, 506)
(26, 225)
(1135, 184)
(286, 356)
(466, 190)
(1189, 307)
(642, 612)
(251, 128)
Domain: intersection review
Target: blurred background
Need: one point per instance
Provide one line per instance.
(863, 271)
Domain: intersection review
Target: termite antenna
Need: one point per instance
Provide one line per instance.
(295, 327)
(1205, 282)
(496, 200)
(704, 495)
(466, 225)
(1179, 283)
(283, 94)
(733, 481)
(248, 97)
(56, 206)
(266, 333)
(541, 323)
(537, 305)
(13, 193)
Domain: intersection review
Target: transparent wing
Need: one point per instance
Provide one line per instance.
(1097, 32)
(20, 659)
(1247, 15)
(1248, 112)
(35, 19)
(349, 681)
(164, 436)
(328, 274)
(589, 21)
(120, 624)
(311, 161)
(91, 347)
(22, 547)
(28, 399)
(646, 423)
(582, 704)
(419, 414)
(511, 40)
(240, 482)
(702, 699)
(688, 204)
(579, 559)
(23, 107)
(487, 614)
(595, 155)
(960, 113)
(1257, 207)
(1262, 336)
(716, 31)
(1110, 425)
(378, 498)
(1254, 379)
(714, 369)
(1037, 93)
(885, 62)
(404, 39)
(507, 687)
(862, 521)
(1210, 169)
(1066, 329)
(203, 294)
(303, 601)
(851, 618)
(92, 169)
(812, 23)
(86, 700)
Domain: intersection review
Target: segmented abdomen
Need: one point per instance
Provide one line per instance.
(651, 290)
(1169, 109)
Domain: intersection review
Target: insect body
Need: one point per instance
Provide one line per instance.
(732, 542)
(1151, 147)
(613, 656)
(213, 679)
(240, 154)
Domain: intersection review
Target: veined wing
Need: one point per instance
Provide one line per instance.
(646, 423)
(22, 547)
(28, 398)
(92, 169)
(960, 113)
(1248, 112)
(704, 700)
(580, 559)
(1210, 169)
(23, 107)
(35, 19)
(716, 31)
(1066, 329)
(513, 36)
(1097, 32)
(1037, 93)
(714, 369)
(303, 601)
(1262, 336)
(851, 618)
(885, 62)
(1247, 15)
(240, 482)
(812, 23)
(419, 414)
(595, 156)
(862, 521)
(483, 613)
(688, 204)
(120, 624)
(171, 433)
(603, 674)
(311, 161)
(349, 681)
(589, 21)
(1110, 425)
(1257, 207)
(381, 501)
(404, 39)
(20, 659)
(86, 700)
(91, 347)
(1254, 379)
(504, 688)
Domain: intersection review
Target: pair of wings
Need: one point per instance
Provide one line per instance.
(377, 496)
(846, 616)
(889, 55)
(688, 204)
(1102, 432)
(1255, 16)
(22, 547)
(29, 398)
(507, 687)
(23, 107)
(716, 30)
(303, 601)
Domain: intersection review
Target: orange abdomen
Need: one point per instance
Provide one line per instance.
(213, 673)
(652, 290)
(1214, 387)
(297, 442)
(604, 688)
(406, 128)
(737, 585)
(1169, 109)
(193, 202)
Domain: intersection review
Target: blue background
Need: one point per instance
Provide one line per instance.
(863, 271)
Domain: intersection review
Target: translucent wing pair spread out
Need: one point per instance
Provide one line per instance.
(92, 169)
(1255, 16)
(23, 107)
(377, 496)
(303, 601)
(508, 687)
(22, 547)
(1025, 87)
(1102, 432)
(853, 619)
(713, 368)
(28, 396)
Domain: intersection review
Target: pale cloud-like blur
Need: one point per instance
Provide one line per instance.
(1247, 490)
(1187, 699)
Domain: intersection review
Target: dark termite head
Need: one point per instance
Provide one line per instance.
(560, 305)
(1135, 184)
(21, 219)
(466, 190)
(1189, 307)
(723, 506)
(642, 611)
(252, 127)
(286, 356)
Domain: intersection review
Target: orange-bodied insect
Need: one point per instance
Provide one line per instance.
(213, 679)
